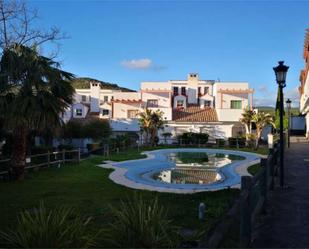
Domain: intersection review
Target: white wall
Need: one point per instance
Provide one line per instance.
(79, 106)
(163, 99)
(95, 97)
(229, 114)
(124, 125)
(121, 109)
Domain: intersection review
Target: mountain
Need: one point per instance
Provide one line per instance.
(84, 83)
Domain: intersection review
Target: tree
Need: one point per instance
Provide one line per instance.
(150, 122)
(33, 92)
(246, 119)
(97, 129)
(261, 119)
(17, 26)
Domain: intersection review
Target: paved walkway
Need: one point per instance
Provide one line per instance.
(286, 223)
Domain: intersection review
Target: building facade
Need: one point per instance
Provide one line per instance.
(192, 105)
(304, 84)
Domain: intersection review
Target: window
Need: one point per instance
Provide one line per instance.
(132, 113)
(199, 90)
(179, 103)
(105, 112)
(207, 103)
(175, 90)
(84, 98)
(206, 90)
(152, 103)
(78, 112)
(183, 90)
(236, 104)
(105, 98)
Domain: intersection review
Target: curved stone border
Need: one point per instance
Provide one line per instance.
(119, 175)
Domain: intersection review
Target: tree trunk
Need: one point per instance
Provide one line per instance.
(19, 152)
(258, 136)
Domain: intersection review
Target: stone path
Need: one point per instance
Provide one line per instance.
(286, 223)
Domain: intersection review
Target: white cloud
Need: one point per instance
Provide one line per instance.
(141, 64)
(138, 64)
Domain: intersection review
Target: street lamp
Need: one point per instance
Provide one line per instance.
(280, 72)
(288, 105)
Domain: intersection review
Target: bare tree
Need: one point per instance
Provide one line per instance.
(17, 26)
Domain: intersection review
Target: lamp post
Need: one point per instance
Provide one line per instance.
(280, 72)
(288, 105)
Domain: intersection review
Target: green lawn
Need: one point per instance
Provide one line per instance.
(254, 169)
(88, 188)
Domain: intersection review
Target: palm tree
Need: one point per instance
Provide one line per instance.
(246, 119)
(150, 122)
(145, 123)
(33, 94)
(157, 123)
(261, 119)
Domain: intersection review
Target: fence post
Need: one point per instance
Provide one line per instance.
(245, 212)
(78, 155)
(48, 158)
(63, 156)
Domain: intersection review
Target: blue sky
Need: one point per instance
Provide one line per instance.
(126, 42)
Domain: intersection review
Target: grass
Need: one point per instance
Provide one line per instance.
(254, 169)
(88, 188)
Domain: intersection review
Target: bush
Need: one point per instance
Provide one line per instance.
(93, 146)
(220, 142)
(141, 224)
(193, 138)
(49, 228)
(233, 141)
(65, 147)
(97, 129)
(41, 149)
(123, 140)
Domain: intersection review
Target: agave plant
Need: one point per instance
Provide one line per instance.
(141, 224)
(49, 228)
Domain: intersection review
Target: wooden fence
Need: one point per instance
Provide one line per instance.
(251, 202)
(42, 160)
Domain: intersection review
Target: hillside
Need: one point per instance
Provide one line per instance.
(84, 83)
(271, 110)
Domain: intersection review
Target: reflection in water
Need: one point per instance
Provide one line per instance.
(195, 167)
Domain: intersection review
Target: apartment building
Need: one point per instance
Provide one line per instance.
(192, 104)
(304, 84)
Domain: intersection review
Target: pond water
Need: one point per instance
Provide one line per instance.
(195, 167)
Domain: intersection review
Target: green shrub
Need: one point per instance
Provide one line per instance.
(220, 142)
(49, 228)
(73, 129)
(237, 142)
(141, 224)
(93, 146)
(97, 129)
(65, 147)
(193, 138)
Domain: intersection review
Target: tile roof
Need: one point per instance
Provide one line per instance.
(193, 113)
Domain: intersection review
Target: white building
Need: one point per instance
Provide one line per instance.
(304, 86)
(188, 105)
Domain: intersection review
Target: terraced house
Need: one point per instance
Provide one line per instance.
(304, 85)
(192, 104)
